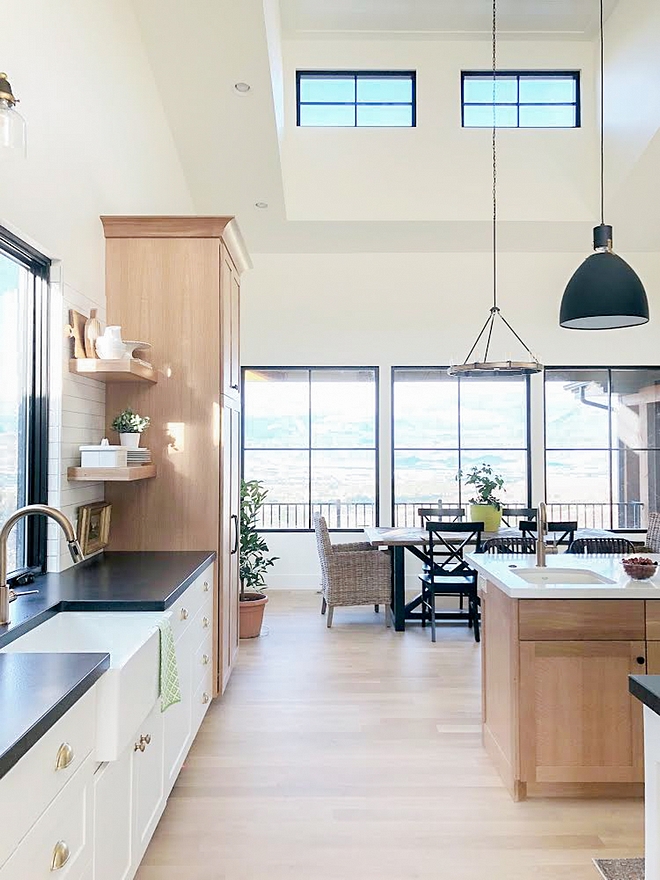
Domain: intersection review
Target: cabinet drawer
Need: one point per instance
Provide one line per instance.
(580, 619)
(36, 779)
(186, 607)
(66, 823)
(201, 701)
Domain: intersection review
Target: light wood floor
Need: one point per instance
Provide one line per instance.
(355, 754)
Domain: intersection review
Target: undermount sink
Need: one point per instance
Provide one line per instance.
(560, 576)
(130, 687)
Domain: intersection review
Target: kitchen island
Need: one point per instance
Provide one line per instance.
(558, 719)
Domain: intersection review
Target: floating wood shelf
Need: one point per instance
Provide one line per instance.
(116, 474)
(129, 370)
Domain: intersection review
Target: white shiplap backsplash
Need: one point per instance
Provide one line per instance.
(76, 417)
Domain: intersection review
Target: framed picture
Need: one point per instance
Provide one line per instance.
(94, 526)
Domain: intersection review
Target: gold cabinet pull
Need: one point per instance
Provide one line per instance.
(206, 586)
(146, 738)
(139, 747)
(64, 757)
(205, 659)
(184, 614)
(205, 622)
(61, 853)
(205, 698)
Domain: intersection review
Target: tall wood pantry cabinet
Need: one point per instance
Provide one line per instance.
(175, 282)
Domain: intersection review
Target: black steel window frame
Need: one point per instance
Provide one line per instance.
(359, 74)
(35, 476)
(309, 448)
(609, 449)
(460, 448)
(523, 75)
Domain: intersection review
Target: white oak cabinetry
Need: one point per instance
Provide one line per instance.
(96, 820)
(175, 282)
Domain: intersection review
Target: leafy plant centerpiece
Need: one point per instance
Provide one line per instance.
(486, 505)
(129, 422)
(254, 560)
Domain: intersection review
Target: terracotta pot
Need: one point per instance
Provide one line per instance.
(251, 608)
(490, 516)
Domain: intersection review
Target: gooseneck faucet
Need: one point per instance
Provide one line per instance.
(31, 509)
(542, 528)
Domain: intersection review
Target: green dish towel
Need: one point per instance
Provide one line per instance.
(170, 691)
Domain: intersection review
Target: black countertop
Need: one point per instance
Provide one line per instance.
(35, 691)
(647, 689)
(131, 581)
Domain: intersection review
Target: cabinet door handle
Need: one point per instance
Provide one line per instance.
(147, 738)
(234, 519)
(206, 586)
(205, 660)
(61, 853)
(235, 387)
(184, 614)
(64, 757)
(205, 698)
(140, 746)
(641, 660)
(205, 623)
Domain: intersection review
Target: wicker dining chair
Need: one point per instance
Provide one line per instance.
(352, 574)
(601, 545)
(509, 545)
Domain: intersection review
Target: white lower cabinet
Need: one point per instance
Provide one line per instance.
(94, 821)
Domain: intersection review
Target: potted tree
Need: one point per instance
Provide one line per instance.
(485, 505)
(129, 425)
(254, 560)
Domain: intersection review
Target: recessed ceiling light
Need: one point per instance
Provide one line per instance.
(242, 88)
(261, 204)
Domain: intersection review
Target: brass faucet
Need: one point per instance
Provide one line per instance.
(542, 528)
(6, 595)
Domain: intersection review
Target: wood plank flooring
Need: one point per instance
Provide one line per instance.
(355, 754)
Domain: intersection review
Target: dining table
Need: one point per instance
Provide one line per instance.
(414, 539)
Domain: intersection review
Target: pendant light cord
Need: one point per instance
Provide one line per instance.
(602, 115)
(494, 145)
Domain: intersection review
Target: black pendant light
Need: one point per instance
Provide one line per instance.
(528, 364)
(605, 292)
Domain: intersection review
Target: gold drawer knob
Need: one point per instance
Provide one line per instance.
(205, 622)
(206, 586)
(61, 853)
(139, 746)
(205, 659)
(64, 757)
(184, 614)
(205, 698)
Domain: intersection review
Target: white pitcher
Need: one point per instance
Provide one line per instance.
(109, 346)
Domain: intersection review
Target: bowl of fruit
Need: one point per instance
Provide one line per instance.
(639, 568)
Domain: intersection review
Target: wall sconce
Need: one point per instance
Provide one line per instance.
(13, 135)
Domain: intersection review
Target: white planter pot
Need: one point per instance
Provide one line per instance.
(132, 441)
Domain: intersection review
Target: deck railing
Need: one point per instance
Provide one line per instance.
(362, 514)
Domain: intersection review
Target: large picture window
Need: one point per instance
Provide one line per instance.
(23, 397)
(443, 425)
(310, 435)
(603, 445)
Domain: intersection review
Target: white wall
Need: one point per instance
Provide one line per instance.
(414, 309)
(438, 170)
(98, 143)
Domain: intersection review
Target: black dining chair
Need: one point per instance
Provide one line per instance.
(426, 514)
(509, 545)
(449, 574)
(526, 513)
(601, 545)
(564, 531)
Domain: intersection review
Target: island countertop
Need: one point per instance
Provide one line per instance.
(499, 570)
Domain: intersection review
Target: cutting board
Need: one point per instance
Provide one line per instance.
(91, 333)
(77, 322)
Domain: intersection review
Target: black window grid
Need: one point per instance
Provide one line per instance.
(519, 75)
(356, 75)
(310, 449)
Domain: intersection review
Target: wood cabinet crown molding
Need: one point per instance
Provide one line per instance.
(166, 226)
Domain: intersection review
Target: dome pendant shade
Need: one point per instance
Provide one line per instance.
(604, 293)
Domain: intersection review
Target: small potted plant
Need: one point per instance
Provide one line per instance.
(254, 560)
(485, 505)
(129, 426)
